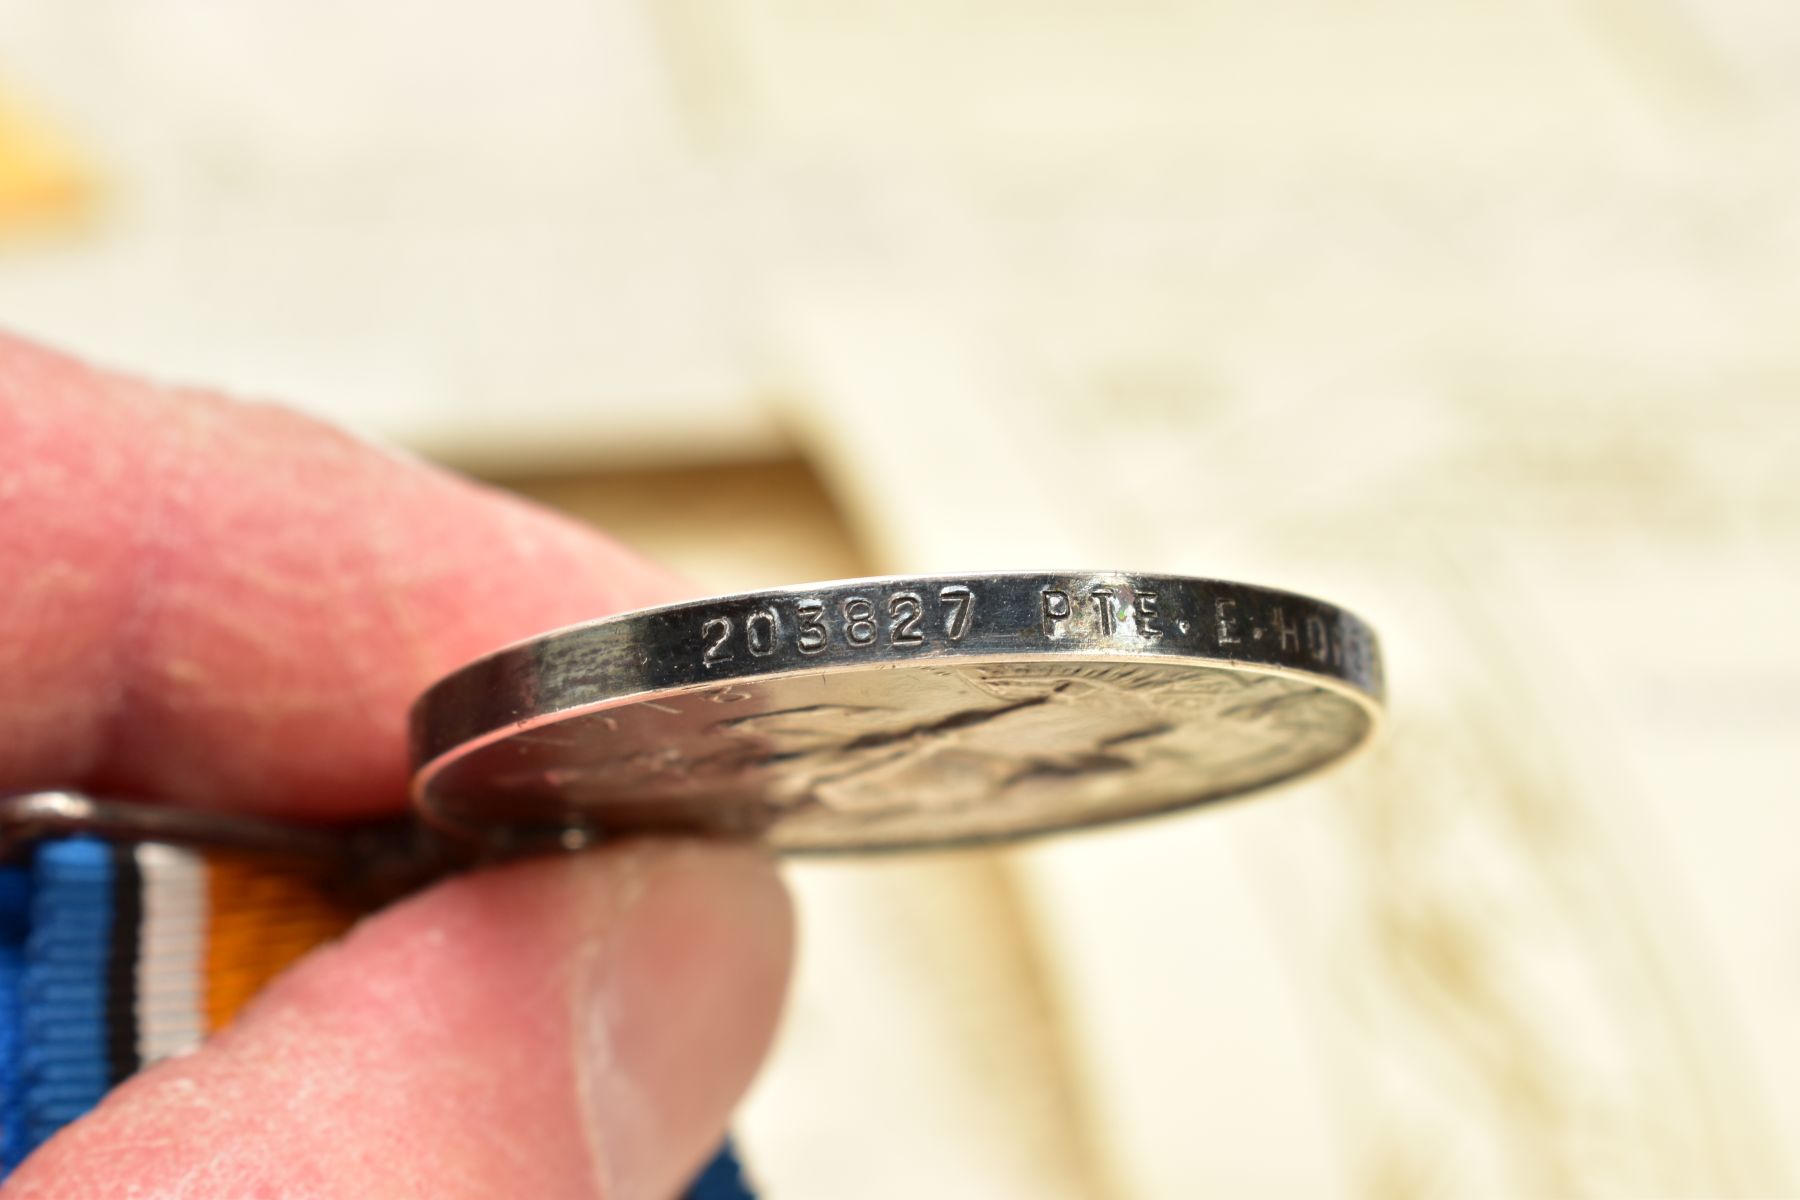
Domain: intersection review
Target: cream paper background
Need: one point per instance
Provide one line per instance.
(1482, 319)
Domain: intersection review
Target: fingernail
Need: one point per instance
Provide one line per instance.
(677, 1000)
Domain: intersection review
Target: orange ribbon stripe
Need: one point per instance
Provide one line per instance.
(260, 919)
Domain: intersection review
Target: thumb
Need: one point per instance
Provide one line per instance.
(575, 1026)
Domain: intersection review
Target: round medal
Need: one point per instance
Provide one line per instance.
(897, 712)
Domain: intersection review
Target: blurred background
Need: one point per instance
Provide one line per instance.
(1482, 319)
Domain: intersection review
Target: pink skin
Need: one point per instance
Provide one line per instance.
(231, 606)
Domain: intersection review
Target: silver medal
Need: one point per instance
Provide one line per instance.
(899, 712)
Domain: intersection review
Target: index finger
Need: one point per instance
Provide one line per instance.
(232, 606)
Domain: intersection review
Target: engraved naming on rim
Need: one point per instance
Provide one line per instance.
(900, 712)
(857, 621)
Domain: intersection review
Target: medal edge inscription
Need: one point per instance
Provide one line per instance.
(885, 622)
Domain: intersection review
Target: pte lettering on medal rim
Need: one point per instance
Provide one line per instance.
(899, 712)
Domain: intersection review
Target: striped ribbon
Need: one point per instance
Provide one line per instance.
(113, 957)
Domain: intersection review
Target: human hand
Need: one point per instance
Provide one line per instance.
(230, 607)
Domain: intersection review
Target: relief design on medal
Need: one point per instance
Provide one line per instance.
(911, 711)
(938, 753)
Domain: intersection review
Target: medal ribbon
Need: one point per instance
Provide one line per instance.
(115, 956)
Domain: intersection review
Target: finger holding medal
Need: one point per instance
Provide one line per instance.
(229, 607)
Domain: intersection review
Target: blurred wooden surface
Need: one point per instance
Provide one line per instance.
(730, 526)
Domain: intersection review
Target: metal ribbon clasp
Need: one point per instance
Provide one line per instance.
(373, 863)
